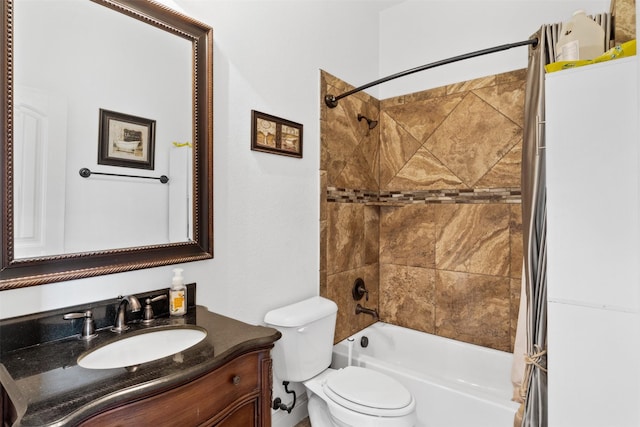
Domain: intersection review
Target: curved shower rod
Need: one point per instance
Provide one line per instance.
(332, 101)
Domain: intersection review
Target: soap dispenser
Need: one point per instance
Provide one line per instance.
(177, 294)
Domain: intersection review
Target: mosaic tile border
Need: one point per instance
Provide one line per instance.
(475, 196)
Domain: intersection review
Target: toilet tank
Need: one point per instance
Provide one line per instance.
(306, 345)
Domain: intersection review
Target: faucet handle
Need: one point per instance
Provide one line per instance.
(88, 326)
(148, 310)
(359, 290)
(158, 298)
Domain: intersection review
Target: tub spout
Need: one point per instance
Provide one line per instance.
(370, 311)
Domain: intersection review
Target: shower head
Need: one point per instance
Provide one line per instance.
(371, 123)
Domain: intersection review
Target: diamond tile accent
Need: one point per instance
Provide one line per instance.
(473, 139)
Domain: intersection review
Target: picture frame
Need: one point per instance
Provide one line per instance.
(126, 140)
(271, 134)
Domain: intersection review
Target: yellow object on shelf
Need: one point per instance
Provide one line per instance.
(619, 51)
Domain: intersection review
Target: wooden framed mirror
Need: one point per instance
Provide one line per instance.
(141, 60)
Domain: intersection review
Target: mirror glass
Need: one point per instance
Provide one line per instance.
(108, 139)
(74, 59)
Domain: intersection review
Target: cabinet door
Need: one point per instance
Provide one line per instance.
(203, 401)
(245, 416)
(592, 185)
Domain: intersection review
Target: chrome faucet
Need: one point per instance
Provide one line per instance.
(369, 311)
(132, 302)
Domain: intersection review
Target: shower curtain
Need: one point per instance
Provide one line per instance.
(534, 383)
(534, 233)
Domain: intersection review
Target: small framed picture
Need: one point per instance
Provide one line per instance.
(126, 140)
(272, 134)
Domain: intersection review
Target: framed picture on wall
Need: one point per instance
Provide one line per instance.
(275, 135)
(126, 140)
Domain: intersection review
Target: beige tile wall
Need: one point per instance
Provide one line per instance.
(349, 231)
(624, 13)
(447, 264)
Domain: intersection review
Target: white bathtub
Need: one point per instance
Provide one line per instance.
(455, 384)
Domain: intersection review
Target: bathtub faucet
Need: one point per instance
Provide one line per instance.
(372, 312)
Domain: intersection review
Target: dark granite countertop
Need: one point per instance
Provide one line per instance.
(48, 388)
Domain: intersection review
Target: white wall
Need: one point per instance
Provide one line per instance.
(419, 32)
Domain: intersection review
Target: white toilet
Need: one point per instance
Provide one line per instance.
(348, 397)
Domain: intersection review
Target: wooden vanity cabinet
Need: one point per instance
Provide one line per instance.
(236, 394)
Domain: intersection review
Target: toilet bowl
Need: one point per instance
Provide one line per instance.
(349, 397)
(355, 396)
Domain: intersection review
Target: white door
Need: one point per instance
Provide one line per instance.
(40, 141)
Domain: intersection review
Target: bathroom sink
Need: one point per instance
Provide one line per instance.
(140, 348)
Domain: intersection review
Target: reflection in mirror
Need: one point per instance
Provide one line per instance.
(138, 70)
(67, 63)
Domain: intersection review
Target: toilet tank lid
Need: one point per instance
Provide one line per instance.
(301, 313)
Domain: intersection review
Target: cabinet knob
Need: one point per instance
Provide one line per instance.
(236, 379)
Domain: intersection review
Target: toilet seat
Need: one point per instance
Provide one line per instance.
(368, 392)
